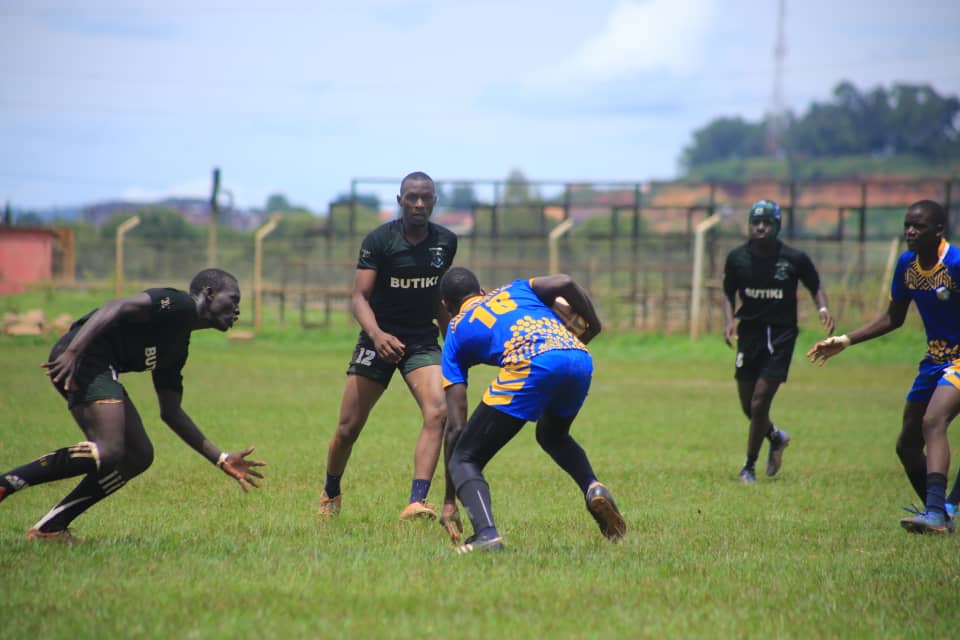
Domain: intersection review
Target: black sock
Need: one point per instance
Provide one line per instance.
(89, 492)
(419, 490)
(76, 460)
(475, 497)
(936, 489)
(332, 487)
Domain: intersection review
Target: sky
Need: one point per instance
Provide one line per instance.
(141, 99)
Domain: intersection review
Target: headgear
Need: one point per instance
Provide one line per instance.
(766, 210)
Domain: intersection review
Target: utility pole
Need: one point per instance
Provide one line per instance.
(776, 120)
(214, 214)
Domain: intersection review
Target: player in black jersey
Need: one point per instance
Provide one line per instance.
(765, 273)
(396, 302)
(147, 331)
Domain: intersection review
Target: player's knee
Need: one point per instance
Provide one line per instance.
(933, 425)
(908, 447)
(461, 471)
(138, 460)
(110, 455)
(434, 416)
(348, 431)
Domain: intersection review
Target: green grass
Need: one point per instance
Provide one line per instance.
(181, 552)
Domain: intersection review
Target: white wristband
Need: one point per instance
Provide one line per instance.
(223, 458)
(843, 340)
(822, 309)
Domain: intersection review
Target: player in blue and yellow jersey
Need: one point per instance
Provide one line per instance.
(928, 274)
(149, 331)
(545, 373)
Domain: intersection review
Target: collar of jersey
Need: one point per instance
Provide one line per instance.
(941, 251)
(470, 303)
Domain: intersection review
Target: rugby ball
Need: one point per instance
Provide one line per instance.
(572, 320)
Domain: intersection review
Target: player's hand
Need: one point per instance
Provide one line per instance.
(730, 334)
(63, 367)
(242, 470)
(827, 348)
(388, 346)
(450, 521)
(826, 319)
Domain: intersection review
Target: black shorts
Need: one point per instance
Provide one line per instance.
(418, 353)
(95, 378)
(764, 352)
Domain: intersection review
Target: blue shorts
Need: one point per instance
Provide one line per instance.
(556, 381)
(930, 376)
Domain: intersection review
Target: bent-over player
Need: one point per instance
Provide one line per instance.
(545, 373)
(149, 331)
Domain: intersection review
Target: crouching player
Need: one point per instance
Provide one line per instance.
(545, 374)
(148, 331)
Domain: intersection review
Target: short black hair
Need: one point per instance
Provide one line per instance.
(936, 211)
(216, 279)
(458, 284)
(416, 175)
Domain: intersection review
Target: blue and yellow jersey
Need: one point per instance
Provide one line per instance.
(936, 292)
(506, 327)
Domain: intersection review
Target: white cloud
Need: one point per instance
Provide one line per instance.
(644, 36)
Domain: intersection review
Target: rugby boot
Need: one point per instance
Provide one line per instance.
(417, 510)
(778, 443)
(929, 522)
(473, 543)
(604, 510)
(329, 507)
(64, 536)
(747, 476)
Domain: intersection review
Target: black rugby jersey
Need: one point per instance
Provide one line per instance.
(160, 345)
(406, 296)
(768, 284)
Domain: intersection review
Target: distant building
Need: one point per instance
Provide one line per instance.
(26, 257)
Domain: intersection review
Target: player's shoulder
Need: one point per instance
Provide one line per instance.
(386, 230)
(442, 233)
(792, 253)
(951, 256)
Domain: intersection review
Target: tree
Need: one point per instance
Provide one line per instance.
(156, 223)
(724, 139)
(462, 196)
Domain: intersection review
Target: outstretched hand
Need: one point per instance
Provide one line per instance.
(242, 470)
(827, 348)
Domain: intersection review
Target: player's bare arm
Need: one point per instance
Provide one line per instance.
(886, 322)
(549, 288)
(235, 464)
(456, 397)
(388, 346)
(64, 367)
(730, 323)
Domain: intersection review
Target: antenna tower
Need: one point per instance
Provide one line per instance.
(776, 120)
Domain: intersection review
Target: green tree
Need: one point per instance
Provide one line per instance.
(724, 139)
(156, 222)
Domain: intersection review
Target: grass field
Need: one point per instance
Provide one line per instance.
(181, 552)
